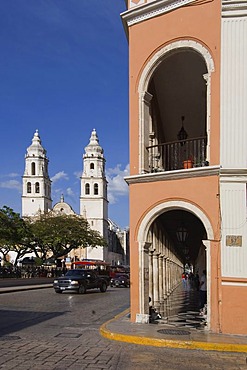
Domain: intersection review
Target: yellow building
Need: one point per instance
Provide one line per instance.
(188, 152)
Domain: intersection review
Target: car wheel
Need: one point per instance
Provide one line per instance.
(103, 287)
(82, 289)
(58, 291)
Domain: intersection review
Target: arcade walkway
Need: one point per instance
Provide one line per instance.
(182, 309)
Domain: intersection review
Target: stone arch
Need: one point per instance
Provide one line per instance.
(145, 97)
(148, 219)
(144, 243)
(160, 55)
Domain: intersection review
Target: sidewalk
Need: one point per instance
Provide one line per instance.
(11, 289)
(162, 335)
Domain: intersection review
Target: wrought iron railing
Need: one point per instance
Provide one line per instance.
(173, 155)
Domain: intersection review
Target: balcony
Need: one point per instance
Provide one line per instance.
(178, 155)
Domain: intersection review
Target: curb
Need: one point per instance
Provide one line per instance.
(6, 290)
(169, 343)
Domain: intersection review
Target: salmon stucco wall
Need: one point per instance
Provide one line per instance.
(234, 303)
(145, 196)
(147, 38)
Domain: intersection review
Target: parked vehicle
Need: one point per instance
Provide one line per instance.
(120, 280)
(80, 280)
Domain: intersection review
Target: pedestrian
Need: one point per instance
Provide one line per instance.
(203, 290)
(184, 280)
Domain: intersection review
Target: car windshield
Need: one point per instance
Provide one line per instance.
(75, 273)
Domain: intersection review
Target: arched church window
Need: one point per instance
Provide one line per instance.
(96, 189)
(37, 187)
(91, 166)
(87, 189)
(33, 168)
(29, 187)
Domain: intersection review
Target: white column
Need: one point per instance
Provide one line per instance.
(143, 316)
(156, 301)
(161, 285)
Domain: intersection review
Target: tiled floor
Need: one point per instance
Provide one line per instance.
(182, 309)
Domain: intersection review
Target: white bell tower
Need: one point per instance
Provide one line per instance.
(93, 199)
(36, 192)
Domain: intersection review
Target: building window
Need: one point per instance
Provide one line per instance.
(37, 187)
(96, 189)
(87, 189)
(33, 168)
(29, 187)
(91, 166)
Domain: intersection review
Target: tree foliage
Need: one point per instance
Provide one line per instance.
(49, 235)
(55, 236)
(14, 234)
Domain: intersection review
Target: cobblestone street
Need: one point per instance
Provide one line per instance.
(45, 331)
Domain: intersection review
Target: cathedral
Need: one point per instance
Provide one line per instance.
(36, 197)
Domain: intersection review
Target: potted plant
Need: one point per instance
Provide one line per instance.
(188, 163)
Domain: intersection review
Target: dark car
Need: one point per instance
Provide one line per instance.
(79, 280)
(120, 280)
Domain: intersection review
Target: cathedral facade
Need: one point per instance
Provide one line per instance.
(36, 198)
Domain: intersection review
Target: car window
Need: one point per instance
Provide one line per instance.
(75, 273)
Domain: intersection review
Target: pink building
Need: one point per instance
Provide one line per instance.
(188, 153)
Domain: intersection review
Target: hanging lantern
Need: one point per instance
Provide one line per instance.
(182, 234)
(182, 135)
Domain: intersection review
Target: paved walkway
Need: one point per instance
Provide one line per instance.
(160, 334)
(183, 328)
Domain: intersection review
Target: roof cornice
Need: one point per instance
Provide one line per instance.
(234, 8)
(150, 10)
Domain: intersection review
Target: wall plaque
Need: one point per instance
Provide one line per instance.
(234, 240)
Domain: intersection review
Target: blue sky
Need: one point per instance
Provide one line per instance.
(64, 71)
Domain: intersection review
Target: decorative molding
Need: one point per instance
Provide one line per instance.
(233, 175)
(165, 206)
(160, 55)
(173, 175)
(234, 284)
(146, 11)
(234, 8)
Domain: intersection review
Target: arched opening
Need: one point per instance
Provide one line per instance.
(37, 187)
(173, 239)
(96, 189)
(33, 171)
(91, 166)
(29, 187)
(87, 189)
(174, 108)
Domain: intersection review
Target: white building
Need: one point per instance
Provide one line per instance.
(36, 197)
(36, 192)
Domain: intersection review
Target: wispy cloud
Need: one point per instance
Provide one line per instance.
(77, 174)
(11, 175)
(70, 192)
(59, 176)
(116, 184)
(11, 184)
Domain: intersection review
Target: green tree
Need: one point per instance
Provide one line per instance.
(54, 236)
(14, 234)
